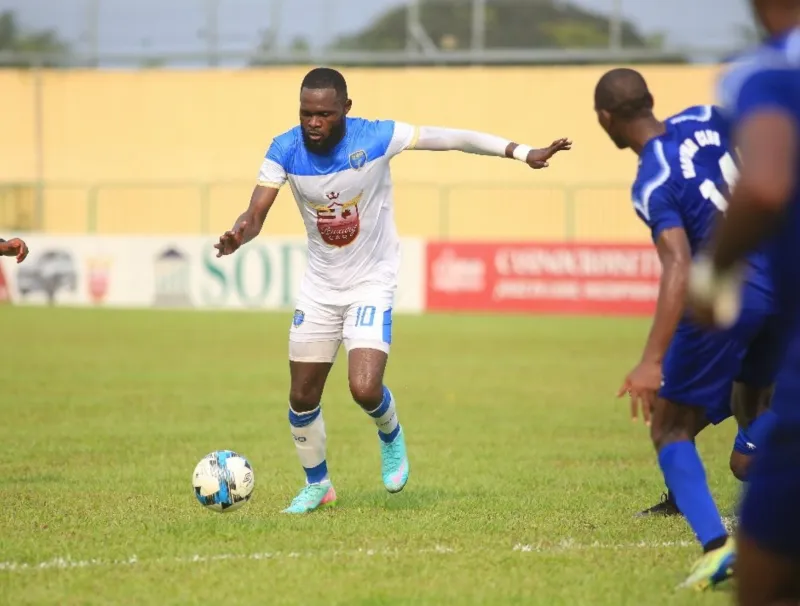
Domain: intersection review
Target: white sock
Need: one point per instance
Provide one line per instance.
(308, 431)
(386, 417)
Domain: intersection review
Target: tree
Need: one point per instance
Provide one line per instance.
(30, 46)
(299, 49)
(509, 25)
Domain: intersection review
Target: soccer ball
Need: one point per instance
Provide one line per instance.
(223, 481)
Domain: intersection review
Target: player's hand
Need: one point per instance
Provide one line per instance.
(14, 248)
(713, 299)
(641, 385)
(537, 158)
(230, 241)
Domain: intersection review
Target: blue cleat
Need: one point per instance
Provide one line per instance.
(313, 496)
(394, 463)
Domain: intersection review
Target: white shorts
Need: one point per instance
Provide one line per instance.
(319, 328)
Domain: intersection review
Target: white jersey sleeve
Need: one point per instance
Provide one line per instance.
(405, 136)
(273, 172)
(434, 138)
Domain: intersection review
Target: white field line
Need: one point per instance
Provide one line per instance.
(565, 546)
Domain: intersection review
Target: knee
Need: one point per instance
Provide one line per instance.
(304, 398)
(659, 436)
(739, 463)
(368, 393)
(665, 433)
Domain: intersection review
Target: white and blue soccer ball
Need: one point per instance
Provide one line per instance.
(223, 481)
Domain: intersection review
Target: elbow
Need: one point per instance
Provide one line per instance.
(678, 266)
(675, 274)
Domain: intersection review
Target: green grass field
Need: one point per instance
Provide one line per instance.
(525, 470)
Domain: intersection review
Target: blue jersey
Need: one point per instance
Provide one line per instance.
(684, 177)
(769, 79)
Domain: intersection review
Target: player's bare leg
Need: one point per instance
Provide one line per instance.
(365, 374)
(673, 429)
(765, 579)
(308, 430)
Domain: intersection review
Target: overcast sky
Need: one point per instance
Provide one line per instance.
(176, 25)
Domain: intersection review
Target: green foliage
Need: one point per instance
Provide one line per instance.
(45, 44)
(517, 25)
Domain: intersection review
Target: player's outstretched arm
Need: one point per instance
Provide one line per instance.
(249, 223)
(14, 248)
(433, 138)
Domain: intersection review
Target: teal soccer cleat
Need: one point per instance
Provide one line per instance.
(394, 463)
(312, 497)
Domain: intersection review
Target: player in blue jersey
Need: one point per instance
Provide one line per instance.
(761, 94)
(683, 381)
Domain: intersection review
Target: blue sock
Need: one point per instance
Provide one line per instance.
(386, 417)
(686, 480)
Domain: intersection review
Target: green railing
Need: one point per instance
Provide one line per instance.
(444, 211)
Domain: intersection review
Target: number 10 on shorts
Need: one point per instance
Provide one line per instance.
(365, 316)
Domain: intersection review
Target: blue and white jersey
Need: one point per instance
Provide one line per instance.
(684, 177)
(346, 200)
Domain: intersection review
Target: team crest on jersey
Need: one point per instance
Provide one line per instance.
(298, 318)
(338, 222)
(358, 159)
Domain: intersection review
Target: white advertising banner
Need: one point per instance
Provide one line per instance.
(180, 271)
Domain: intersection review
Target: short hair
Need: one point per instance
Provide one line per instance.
(325, 77)
(623, 92)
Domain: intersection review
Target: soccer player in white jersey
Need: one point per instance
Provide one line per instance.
(338, 171)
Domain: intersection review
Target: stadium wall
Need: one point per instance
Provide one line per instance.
(166, 152)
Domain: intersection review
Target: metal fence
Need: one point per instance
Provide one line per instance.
(187, 33)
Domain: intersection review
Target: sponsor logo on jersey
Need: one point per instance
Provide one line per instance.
(339, 223)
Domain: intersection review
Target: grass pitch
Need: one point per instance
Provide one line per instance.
(525, 470)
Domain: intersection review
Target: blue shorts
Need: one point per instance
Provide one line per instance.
(749, 440)
(700, 366)
(764, 354)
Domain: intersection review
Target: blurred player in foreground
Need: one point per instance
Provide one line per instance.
(761, 93)
(684, 379)
(14, 248)
(338, 170)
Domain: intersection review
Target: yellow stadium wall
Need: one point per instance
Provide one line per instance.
(129, 152)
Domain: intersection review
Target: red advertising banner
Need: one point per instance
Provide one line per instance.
(602, 279)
